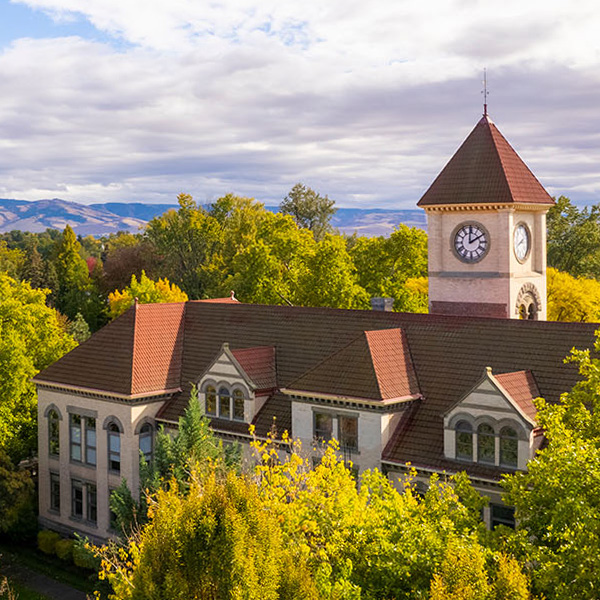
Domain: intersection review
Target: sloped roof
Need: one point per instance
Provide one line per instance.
(375, 366)
(485, 170)
(522, 388)
(137, 353)
(259, 364)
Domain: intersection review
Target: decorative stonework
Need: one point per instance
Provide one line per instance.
(528, 303)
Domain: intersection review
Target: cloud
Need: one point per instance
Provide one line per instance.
(364, 102)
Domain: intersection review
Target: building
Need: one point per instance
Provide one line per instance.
(448, 391)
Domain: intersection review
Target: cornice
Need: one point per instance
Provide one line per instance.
(487, 207)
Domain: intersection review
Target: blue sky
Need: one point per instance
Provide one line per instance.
(117, 100)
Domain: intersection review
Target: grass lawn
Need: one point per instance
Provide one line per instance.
(24, 593)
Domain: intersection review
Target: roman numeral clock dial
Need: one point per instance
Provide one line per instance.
(471, 242)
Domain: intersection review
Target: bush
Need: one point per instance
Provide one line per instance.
(47, 541)
(84, 558)
(64, 549)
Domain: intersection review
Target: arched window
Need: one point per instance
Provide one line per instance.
(211, 401)
(486, 444)
(464, 440)
(238, 405)
(224, 403)
(146, 441)
(53, 433)
(114, 447)
(509, 447)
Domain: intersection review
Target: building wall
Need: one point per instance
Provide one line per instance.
(128, 415)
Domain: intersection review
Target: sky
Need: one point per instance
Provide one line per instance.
(129, 101)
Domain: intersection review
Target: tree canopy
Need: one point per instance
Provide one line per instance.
(309, 210)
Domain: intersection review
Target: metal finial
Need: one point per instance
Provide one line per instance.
(485, 92)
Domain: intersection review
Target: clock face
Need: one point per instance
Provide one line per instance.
(521, 242)
(471, 243)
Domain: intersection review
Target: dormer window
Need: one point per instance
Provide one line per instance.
(464, 440)
(211, 401)
(509, 447)
(486, 444)
(238, 405)
(224, 403)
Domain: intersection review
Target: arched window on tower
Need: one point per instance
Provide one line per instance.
(464, 440)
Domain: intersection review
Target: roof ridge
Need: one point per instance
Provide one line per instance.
(133, 346)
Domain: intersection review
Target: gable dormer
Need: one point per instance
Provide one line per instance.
(495, 422)
(238, 382)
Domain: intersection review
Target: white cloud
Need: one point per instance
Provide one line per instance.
(359, 100)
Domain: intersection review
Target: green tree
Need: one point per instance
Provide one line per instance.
(17, 500)
(556, 499)
(31, 338)
(11, 260)
(146, 291)
(309, 209)
(574, 238)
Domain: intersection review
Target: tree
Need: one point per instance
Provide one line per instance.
(574, 239)
(146, 291)
(572, 298)
(17, 500)
(556, 499)
(31, 338)
(309, 209)
(11, 261)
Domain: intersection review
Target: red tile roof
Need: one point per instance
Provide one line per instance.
(522, 388)
(485, 170)
(259, 365)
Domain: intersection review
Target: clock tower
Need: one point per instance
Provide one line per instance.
(486, 220)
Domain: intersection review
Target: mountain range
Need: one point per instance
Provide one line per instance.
(104, 218)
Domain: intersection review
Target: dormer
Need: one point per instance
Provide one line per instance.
(238, 382)
(494, 424)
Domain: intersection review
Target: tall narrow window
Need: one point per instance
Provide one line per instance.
(53, 433)
(323, 426)
(114, 448)
(76, 499)
(486, 444)
(224, 403)
(75, 437)
(91, 503)
(509, 447)
(348, 433)
(238, 405)
(464, 441)
(211, 401)
(146, 439)
(55, 492)
(90, 441)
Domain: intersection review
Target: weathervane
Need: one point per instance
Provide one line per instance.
(485, 92)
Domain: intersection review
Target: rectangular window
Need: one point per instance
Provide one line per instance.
(224, 404)
(76, 499)
(114, 451)
(348, 433)
(55, 492)
(502, 515)
(238, 405)
(91, 503)
(323, 426)
(75, 437)
(90, 441)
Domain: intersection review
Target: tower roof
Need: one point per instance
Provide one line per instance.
(485, 170)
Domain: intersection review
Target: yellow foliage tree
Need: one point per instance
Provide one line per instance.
(147, 291)
(572, 298)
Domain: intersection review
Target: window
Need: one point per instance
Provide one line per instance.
(90, 441)
(224, 403)
(91, 508)
(76, 499)
(114, 448)
(509, 447)
(211, 401)
(146, 439)
(238, 405)
(486, 444)
(55, 492)
(464, 441)
(502, 515)
(348, 433)
(53, 433)
(75, 433)
(323, 426)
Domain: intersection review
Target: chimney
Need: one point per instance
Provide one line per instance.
(385, 304)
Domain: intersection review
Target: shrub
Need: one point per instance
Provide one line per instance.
(47, 541)
(84, 557)
(64, 549)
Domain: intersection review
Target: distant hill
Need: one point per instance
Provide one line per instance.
(110, 217)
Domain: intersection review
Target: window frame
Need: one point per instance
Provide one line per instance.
(54, 492)
(457, 442)
(76, 487)
(91, 503)
(53, 433)
(147, 433)
(113, 431)
(210, 396)
(486, 438)
(504, 439)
